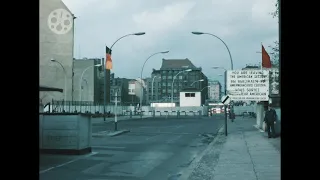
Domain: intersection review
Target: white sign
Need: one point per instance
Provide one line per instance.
(225, 99)
(132, 87)
(248, 85)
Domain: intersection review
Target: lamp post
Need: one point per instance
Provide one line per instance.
(187, 70)
(65, 78)
(225, 106)
(196, 81)
(105, 73)
(83, 87)
(81, 77)
(163, 52)
(152, 86)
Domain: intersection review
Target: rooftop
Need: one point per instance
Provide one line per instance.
(177, 64)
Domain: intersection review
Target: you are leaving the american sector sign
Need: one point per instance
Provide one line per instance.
(248, 85)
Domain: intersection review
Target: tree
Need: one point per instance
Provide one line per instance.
(275, 47)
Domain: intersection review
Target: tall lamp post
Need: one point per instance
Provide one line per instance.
(105, 73)
(81, 77)
(152, 87)
(65, 78)
(174, 77)
(163, 52)
(196, 81)
(226, 116)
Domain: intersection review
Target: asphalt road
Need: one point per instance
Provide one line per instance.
(155, 149)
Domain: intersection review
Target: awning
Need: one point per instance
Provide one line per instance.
(46, 88)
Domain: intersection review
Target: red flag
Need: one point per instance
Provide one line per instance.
(108, 62)
(266, 62)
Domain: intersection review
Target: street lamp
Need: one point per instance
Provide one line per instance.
(83, 88)
(187, 70)
(152, 86)
(65, 78)
(81, 77)
(162, 52)
(225, 106)
(200, 33)
(105, 72)
(205, 87)
(196, 81)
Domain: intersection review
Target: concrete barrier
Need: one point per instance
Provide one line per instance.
(65, 134)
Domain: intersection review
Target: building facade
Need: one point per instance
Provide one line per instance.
(121, 86)
(56, 44)
(173, 70)
(215, 90)
(90, 85)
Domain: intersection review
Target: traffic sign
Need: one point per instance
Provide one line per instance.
(225, 99)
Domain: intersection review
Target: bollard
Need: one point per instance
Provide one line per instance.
(154, 113)
(178, 114)
(130, 114)
(200, 114)
(141, 114)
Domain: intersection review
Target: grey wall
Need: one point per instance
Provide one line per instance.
(90, 90)
(59, 47)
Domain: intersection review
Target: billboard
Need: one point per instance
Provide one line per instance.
(248, 85)
(132, 87)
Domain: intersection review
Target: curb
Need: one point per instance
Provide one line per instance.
(118, 133)
(188, 171)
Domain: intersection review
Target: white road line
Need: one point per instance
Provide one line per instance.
(151, 137)
(174, 139)
(108, 147)
(63, 164)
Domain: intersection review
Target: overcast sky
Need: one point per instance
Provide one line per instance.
(242, 24)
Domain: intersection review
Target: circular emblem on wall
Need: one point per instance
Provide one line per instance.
(60, 21)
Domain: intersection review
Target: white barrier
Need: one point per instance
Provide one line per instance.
(65, 133)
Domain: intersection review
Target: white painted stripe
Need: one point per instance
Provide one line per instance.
(108, 147)
(66, 163)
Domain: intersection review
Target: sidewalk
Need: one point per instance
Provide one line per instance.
(245, 154)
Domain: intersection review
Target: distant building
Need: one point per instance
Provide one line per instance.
(57, 45)
(169, 69)
(90, 84)
(215, 90)
(121, 86)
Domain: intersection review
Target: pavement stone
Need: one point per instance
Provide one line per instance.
(245, 153)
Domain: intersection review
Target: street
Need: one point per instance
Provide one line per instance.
(154, 149)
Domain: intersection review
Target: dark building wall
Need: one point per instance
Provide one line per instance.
(170, 69)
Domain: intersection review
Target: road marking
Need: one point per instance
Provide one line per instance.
(173, 139)
(108, 147)
(66, 163)
(152, 137)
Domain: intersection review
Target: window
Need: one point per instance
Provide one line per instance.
(163, 72)
(163, 90)
(164, 84)
(190, 94)
(174, 90)
(180, 77)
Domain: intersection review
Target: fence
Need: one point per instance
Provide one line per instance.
(98, 108)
